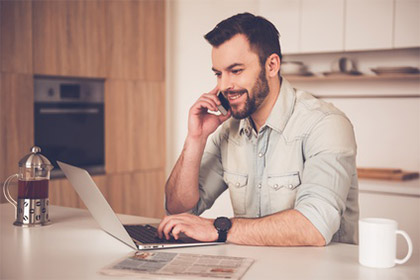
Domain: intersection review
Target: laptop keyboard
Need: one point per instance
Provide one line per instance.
(147, 234)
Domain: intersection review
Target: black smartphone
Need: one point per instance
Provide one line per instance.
(224, 108)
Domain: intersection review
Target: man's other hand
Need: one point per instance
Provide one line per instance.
(198, 228)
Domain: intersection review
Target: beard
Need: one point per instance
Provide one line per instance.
(253, 101)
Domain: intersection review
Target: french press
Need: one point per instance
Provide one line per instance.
(32, 201)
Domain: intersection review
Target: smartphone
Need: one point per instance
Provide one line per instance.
(224, 107)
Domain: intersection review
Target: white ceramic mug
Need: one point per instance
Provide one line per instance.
(378, 243)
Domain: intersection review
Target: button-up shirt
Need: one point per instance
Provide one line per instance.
(302, 158)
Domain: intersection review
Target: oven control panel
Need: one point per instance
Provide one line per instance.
(60, 89)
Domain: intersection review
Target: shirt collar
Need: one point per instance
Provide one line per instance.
(280, 114)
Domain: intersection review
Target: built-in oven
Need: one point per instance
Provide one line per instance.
(69, 121)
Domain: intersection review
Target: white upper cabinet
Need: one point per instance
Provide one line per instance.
(368, 24)
(322, 25)
(407, 23)
(308, 26)
(285, 15)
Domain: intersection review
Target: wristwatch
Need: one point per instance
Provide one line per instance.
(222, 224)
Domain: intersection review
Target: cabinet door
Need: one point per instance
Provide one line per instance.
(369, 24)
(69, 38)
(16, 36)
(322, 25)
(407, 23)
(285, 15)
(136, 38)
(134, 126)
(17, 119)
(137, 193)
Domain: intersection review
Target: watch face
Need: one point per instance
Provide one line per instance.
(222, 223)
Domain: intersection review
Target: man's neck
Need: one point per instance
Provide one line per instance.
(261, 115)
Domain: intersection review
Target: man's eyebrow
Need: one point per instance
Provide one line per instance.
(230, 67)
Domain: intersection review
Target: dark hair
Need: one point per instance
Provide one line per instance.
(262, 35)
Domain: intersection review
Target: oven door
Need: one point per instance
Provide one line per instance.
(72, 133)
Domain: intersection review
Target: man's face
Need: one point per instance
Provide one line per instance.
(240, 76)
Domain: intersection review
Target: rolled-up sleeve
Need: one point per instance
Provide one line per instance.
(329, 167)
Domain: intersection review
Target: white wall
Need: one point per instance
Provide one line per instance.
(387, 130)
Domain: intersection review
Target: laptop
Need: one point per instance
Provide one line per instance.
(140, 236)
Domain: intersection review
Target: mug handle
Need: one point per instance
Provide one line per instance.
(410, 247)
(6, 192)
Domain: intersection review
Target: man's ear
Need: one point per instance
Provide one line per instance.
(272, 65)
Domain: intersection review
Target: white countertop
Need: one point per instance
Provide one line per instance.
(74, 247)
(410, 187)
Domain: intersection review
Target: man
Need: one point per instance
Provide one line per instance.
(287, 158)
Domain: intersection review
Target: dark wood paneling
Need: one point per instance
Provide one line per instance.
(69, 38)
(135, 130)
(136, 40)
(17, 119)
(137, 193)
(16, 36)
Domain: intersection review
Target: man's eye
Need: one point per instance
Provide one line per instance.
(237, 71)
(217, 74)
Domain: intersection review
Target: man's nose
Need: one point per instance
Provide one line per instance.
(226, 83)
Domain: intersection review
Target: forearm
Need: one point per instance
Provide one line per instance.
(287, 228)
(182, 186)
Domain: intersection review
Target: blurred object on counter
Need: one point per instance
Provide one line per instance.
(294, 68)
(393, 174)
(395, 70)
(342, 67)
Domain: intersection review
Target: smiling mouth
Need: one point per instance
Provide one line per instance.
(235, 95)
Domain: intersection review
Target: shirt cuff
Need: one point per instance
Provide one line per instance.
(318, 221)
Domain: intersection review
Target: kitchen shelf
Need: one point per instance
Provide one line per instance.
(344, 77)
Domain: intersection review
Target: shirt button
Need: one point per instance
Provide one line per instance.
(260, 154)
(237, 185)
(259, 186)
(290, 186)
(276, 186)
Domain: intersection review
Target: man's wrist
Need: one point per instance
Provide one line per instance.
(194, 147)
(196, 140)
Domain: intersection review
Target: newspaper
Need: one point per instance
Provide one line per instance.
(164, 265)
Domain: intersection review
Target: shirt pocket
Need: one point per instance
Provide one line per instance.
(237, 189)
(282, 189)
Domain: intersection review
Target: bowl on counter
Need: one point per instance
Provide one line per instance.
(294, 68)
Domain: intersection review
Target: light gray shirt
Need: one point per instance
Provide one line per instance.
(303, 158)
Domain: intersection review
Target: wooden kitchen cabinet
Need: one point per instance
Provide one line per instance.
(16, 36)
(69, 38)
(136, 40)
(322, 26)
(407, 23)
(137, 193)
(368, 24)
(17, 118)
(135, 126)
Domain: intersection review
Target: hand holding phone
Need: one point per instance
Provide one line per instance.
(224, 107)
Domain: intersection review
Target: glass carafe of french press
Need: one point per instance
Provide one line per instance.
(33, 178)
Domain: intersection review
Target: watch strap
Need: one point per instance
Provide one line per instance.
(222, 236)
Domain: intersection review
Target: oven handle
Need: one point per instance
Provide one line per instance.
(68, 111)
